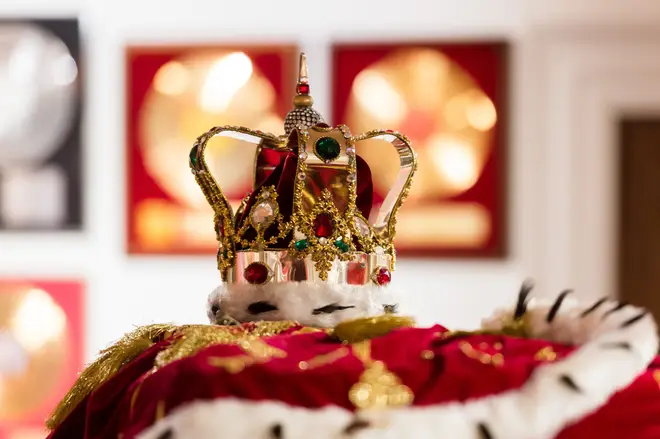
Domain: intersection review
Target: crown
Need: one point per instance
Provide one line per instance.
(310, 216)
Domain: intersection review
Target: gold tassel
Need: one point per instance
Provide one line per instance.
(109, 362)
(355, 331)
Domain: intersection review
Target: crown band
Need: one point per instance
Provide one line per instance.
(281, 266)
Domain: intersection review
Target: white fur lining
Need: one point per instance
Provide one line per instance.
(617, 344)
(298, 300)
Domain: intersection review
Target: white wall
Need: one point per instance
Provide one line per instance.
(124, 291)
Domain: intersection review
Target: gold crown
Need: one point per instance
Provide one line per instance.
(309, 217)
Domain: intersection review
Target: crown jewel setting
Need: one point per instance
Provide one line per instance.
(311, 215)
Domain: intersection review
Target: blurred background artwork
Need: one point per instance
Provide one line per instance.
(40, 131)
(41, 351)
(174, 95)
(449, 100)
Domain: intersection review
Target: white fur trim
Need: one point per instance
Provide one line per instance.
(297, 301)
(616, 347)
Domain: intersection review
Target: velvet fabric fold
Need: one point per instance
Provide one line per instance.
(308, 368)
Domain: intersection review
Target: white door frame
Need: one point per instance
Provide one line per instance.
(580, 83)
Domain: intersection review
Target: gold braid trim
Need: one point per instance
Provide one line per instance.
(193, 338)
(355, 331)
(108, 364)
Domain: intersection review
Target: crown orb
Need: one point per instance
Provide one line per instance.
(301, 118)
(256, 273)
(327, 148)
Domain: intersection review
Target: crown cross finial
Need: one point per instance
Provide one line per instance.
(303, 116)
(302, 71)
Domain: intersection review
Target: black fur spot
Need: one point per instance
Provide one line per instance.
(634, 320)
(261, 307)
(594, 307)
(215, 308)
(277, 431)
(620, 345)
(356, 424)
(167, 434)
(619, 307)
(554, 309)
(484, 431)
(329, 309)
(568, 382)
(523, 295)
(391, 309)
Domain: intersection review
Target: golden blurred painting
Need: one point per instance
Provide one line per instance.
(174, 95)
(41, 341)
(450, 101)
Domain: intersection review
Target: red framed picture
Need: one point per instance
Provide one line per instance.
(42, 344)
(175, 94)
(450, 100)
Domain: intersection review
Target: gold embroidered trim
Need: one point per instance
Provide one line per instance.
(324, 359)
(134, 398)
(496, 360)
(107, 365)
(194, 338)
(257, 352)
(546, 354)
(656, 376)
(354, 331)
(378, 388)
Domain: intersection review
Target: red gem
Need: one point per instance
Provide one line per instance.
(303, 89)
(323, 225)
(383, 276)
(256, 273)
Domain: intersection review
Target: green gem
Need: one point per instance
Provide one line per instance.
(327, 148)
(341, 245)
(193, 156)
(301, 245)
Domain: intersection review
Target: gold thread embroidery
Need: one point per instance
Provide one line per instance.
(109, 362)
(134, 398)
(377, 387)
(160, 410)
(656, 375)
(257, 351)
(307, 330)
(546, 354)
(324, 359)
(232, 365)
(428, 355)
(466, 348)
(192, 339)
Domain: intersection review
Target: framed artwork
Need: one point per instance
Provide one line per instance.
(42, 342)
(174, 94)
(40, 125)
(450, 100)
